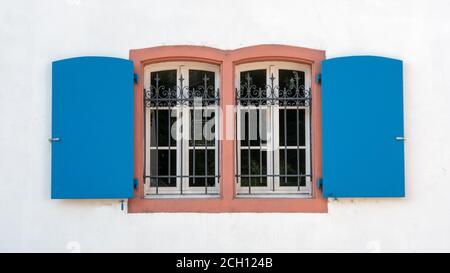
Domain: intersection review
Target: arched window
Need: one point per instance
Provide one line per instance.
(229, 174)
(181, 129)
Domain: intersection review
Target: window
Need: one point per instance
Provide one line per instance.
(181, 139)
(209, 175)
(272, 145)
(273, 129)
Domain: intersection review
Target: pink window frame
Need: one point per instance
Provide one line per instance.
(227, 60)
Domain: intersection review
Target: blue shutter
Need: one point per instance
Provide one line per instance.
(92, 128)
(362, 111)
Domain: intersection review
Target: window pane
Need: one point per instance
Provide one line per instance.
(159, 165)
(288, 80)
(197, 85)
(167, 78)
(291, 158)
(291, 127)
(200, 167)
(258, 166)
(162, 82)
(202, 127)
(253, 127)
(197, 79)
(257, 81)
(160, 129)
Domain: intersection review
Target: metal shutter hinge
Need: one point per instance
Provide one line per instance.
(320, 183)
(318, 78)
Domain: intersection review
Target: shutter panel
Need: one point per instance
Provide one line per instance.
(92, 128)
(362, 112)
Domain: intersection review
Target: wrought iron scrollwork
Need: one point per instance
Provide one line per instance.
(295, 95)
(161, 96)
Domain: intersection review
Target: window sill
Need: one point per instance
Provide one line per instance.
(274, 196)
(316, 204)
(184, 196)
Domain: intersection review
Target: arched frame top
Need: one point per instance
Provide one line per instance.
(227, 60)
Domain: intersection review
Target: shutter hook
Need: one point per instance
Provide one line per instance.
(54, 139)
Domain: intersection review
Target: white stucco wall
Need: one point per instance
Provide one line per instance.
(34, 33)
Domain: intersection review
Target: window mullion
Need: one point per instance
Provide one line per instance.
(217, 131)
(276, 126)
(185, 123)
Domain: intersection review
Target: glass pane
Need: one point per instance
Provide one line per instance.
(200, 157)
(288, 80)
(253, 125)
(291, 127)
(162, 82)
(202, 127)
(159, 165)
(197, 81)
(292, 167)
(250, 84)
(160, 129)
(167, 78)
(258, 166)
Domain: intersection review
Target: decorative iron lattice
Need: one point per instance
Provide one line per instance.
(295, 95)
(249, 97)
(180, 97)
(161, 96)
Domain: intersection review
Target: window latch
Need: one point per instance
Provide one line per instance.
(400, 138)
(54, 139)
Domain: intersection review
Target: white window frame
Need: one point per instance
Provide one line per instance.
(183, 114)
(272, 114)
